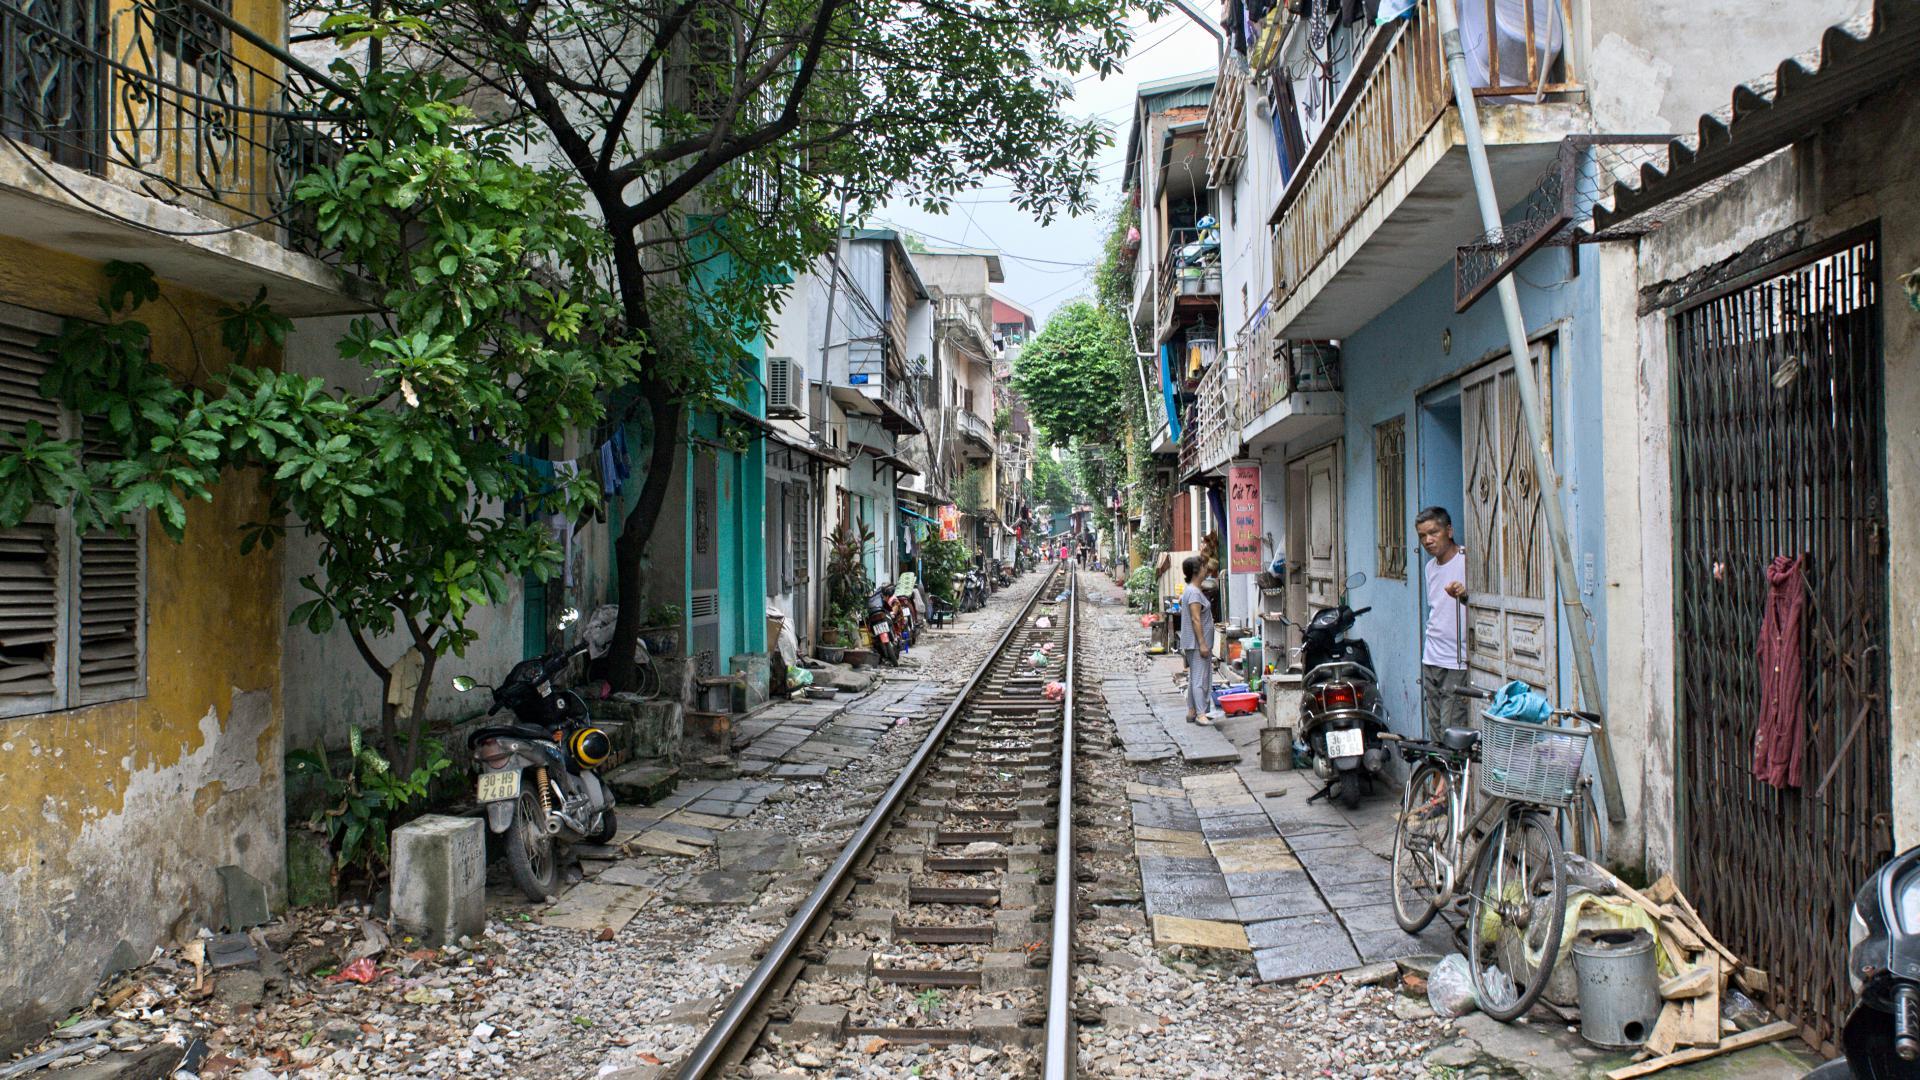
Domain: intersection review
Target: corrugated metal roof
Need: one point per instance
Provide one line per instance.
(1855, 60)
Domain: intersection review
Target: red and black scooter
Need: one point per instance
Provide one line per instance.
(1341, 712)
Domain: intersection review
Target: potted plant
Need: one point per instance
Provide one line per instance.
(661, 629)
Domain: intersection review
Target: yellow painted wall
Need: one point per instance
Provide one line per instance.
(114, 817)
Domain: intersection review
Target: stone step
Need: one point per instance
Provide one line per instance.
(642, 783)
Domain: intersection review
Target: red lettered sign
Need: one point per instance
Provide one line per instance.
(1243, 518)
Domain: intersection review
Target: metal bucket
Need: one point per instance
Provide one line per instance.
(1619, 988)
(1276, 749)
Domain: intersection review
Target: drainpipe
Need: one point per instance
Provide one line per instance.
(1585, 673)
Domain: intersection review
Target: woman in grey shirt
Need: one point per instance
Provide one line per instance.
(1196, 642)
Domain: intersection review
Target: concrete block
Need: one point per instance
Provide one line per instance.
(642, 783)
(440, 877)
(309, 869)
(758, 682)
(655, 731)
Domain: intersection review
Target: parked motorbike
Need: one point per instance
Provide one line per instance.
(538, 775)
(1342, 715)
(880, 624)
(973, 592)
(1882, 1034)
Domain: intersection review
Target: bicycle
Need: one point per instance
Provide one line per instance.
(1458, 812)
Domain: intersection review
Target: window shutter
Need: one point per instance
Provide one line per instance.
(775, 533)
(112, 616)
(21, 368)
(800, 536)
(30, 630)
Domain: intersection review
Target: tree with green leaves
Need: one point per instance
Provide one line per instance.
(723, 143)
(1080, 356)
(495, 333)
(1050, 483)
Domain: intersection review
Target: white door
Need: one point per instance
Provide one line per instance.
(1315, 540)
(1511, 626)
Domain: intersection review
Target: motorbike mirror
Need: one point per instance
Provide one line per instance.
(1356, 579)
(568, 618)
(464, 683)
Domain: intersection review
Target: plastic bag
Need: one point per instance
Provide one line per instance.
(799, 676)
(1450, 987)
(1518, 701)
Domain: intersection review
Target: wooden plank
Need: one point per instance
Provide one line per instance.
(1771, 1033)
(1666, 892)
(664, 843)
(1689, 984)
(1666, 1030)
(1701, 1015)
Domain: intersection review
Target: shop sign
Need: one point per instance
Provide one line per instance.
(1243, 518)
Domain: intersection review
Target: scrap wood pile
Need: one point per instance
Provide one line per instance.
(1691, 1027)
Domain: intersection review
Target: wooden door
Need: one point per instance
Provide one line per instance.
(1511, 629)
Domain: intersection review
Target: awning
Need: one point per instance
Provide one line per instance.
(1856, 60)
(788, 442)
(905, 509)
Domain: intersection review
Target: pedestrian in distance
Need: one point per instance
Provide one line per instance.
(1443, 658)
(1196, 642)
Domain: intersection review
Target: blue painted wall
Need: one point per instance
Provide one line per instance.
(1388, 364)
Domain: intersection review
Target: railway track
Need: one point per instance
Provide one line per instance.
(947, 919)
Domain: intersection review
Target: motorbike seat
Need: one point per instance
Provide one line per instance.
(1459, 739)
(509, 730)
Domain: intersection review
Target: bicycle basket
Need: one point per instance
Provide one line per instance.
(1533, 763)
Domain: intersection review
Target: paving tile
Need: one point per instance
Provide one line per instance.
(1206, 933)
(1156, 866)
(1356, 894)
(1252, 909)
(1299, 946)
(1171, 836)
(1251, 854)
(1322, 838)
(591, 905)
(1375, 946)
(1332, 866)
(1235, 828)
(1151, 849)
(1264, 882)
(1371, 918)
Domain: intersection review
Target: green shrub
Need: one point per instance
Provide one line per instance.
(1142, 588)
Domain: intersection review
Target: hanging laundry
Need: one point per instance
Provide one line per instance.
(609, 474)
(1780, 737)
(622, 464)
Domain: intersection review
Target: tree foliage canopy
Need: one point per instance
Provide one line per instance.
(1050, 483)
(1080, 356)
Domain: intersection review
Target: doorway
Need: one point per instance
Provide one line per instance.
(1315, 540)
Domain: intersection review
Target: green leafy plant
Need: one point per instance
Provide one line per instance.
(663, 615)
(1081, 355)
(1142, 589)
(366, 799)
(943, 564)
(928, 1003)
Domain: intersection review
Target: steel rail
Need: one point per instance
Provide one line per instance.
(1062, 1049)
(708, 1057)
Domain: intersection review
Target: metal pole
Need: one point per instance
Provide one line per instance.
(1585, 674)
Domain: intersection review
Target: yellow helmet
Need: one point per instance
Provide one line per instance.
(590, 747)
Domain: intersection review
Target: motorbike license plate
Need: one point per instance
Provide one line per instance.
(1347, 743)
(499, 786)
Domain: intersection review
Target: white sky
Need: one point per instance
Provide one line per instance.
(1070, 246)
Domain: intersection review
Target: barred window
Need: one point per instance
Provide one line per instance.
(1390, 496)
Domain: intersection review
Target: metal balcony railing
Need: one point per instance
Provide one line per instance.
(1227, 124)
(1403, 91)
(1190, 266)
(160, 98)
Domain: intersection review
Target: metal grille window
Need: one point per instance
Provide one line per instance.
(72, 605)
(1390, 496)
(1778, 449)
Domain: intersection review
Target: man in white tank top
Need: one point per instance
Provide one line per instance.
(1443, 658)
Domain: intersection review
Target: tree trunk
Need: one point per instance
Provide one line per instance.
(630, 550)
(418, 720)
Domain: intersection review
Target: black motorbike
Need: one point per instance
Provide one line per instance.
(880, 624)
(973, 591)
(537, 774)
(1882, 1034)
(1341, 712)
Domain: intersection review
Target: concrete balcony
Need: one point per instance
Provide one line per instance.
(1384, 195)
(1267, 392)
(962, 317)
(1189, 277)
(976, 435)
(137, 120)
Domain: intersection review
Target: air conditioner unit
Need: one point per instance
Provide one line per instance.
(786, 387)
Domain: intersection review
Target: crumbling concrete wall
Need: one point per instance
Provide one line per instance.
(113, 818)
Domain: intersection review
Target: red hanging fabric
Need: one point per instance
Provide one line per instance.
(1780, 738)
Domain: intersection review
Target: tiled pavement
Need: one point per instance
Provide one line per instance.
(1149, 708)
(1306, 883)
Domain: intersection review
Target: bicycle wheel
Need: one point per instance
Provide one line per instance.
(1420, 841)
(1514, 914)
(648, 679)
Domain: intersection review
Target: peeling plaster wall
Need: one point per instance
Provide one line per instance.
(1862, 169)
(1654, 65)
(114, 817)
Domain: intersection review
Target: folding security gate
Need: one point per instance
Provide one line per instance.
(1778, 450)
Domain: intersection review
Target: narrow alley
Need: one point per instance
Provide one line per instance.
(678, 541)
